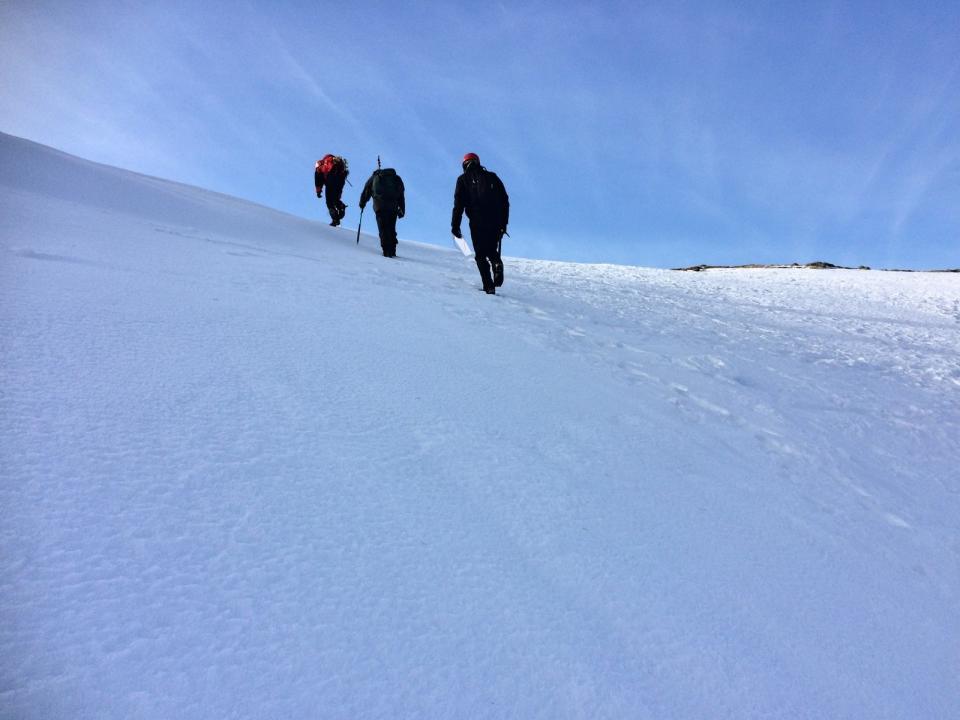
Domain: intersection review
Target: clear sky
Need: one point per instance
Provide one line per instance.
(657, 134)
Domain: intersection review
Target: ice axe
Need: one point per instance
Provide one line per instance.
(359, 223)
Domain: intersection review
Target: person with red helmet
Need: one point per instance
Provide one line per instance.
(332, 171)
(481, 194)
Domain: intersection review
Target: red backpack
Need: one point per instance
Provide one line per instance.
(332, 164)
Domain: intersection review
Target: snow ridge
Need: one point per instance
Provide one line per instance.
(253, 470)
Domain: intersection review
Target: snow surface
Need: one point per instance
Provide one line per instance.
(252, 470)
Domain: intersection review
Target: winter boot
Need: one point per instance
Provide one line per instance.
(483, 265)
(498, 273)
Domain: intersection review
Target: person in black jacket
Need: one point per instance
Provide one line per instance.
(332, 171)
(386, 189)
(482, 195)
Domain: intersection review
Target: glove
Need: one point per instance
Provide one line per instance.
(400, 213)
(362, 206)
(319, 194)
(456, 232)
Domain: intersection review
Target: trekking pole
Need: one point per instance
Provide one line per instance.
(359, 223)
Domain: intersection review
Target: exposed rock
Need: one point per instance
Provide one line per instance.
(816, 265)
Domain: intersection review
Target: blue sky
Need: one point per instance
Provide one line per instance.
(658, 134)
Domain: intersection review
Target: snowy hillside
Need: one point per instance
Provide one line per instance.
(252, 470)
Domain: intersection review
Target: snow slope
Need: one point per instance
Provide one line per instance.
(252, 470)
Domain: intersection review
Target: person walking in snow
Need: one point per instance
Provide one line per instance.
(332, 171)
(386, 189)
(482, 195)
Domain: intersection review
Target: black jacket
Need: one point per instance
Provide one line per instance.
(482, 195)
(397, 205)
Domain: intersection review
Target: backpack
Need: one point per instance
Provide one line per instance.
(333, 164)
(485, 196)
(386, 185)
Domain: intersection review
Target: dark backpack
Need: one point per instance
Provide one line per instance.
(484, 193)
(386, 186)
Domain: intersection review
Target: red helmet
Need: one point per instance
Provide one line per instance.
(471, 156)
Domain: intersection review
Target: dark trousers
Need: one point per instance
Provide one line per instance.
(387, 226)
(334, 192)
(486, 250)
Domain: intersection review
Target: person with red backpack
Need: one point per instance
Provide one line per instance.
(332, 171)
(481, 194)
(386, 189)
